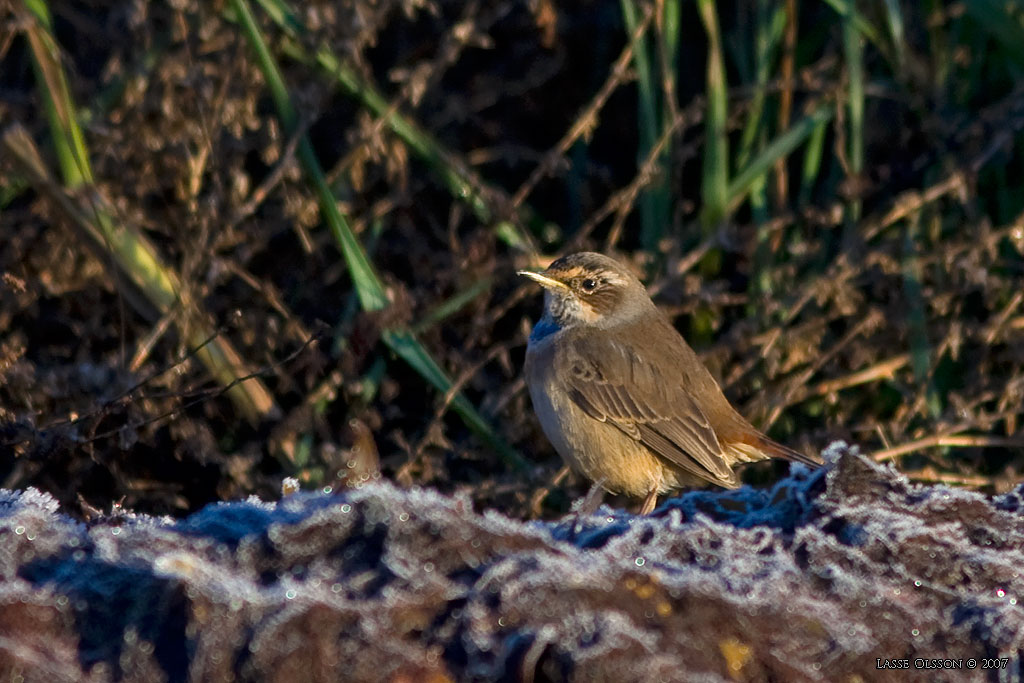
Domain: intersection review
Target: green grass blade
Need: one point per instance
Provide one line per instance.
(768, 29)
(646, 85)
(670, 32)
(452, 305)
(463, 184)
(371, 292)
(68, 141)
(917, 318)
(768, 35)
(854, 53)
(766, 42)
(647, 120)
(11, 190)
(777, 149)
(715, 181)
(406, 347)
(847, 9)
(813, 154)
(1001, 20)
(941, 57)
(660, 190)
(133, 253)
(368, 286)
(894, 17)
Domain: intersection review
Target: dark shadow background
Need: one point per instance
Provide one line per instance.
(896, 325)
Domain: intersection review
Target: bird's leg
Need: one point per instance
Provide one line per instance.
(585, 506)
(542, 492)
(649, 502)
(590, 502)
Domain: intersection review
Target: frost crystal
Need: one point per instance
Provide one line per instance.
(819, 577)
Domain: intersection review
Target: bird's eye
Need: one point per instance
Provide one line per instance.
(589, 285)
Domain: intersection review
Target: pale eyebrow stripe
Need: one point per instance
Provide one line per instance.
(612, 278)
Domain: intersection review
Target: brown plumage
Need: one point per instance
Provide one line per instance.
(622, 396)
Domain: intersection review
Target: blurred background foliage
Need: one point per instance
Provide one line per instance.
(253, 239)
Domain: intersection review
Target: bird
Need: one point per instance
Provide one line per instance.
(620, 394)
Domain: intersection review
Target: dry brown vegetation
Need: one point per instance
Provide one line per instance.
(833, 218)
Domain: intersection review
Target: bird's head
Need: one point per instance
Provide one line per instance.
(590, 289)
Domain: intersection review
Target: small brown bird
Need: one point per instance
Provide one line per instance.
(620, 394)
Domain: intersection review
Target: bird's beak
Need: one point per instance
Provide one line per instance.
(544, 281)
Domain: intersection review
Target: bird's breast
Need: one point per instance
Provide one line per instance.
(598, 450)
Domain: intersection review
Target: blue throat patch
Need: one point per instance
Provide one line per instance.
(545, 327)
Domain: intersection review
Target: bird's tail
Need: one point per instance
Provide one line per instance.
(757, 446)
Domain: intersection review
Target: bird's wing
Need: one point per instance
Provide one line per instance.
(612, 384)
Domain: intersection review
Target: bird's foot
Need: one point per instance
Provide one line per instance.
(649, 502)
